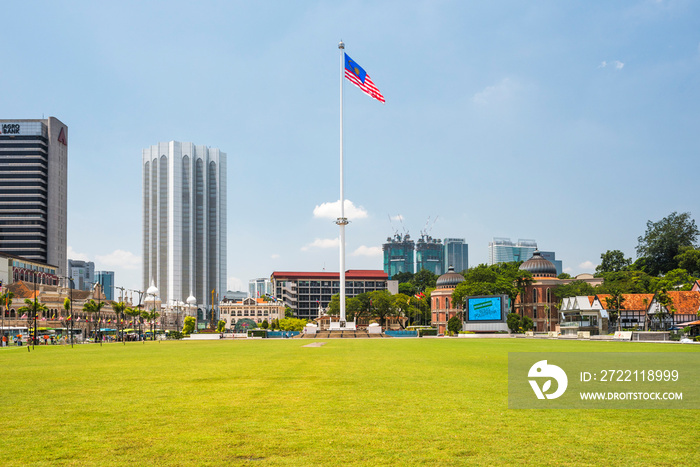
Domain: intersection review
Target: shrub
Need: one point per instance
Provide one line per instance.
(454, 325)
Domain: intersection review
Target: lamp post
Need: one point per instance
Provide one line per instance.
(34, 338)
(70, 312)
(153, 292)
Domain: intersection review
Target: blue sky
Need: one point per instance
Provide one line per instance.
(571, 123)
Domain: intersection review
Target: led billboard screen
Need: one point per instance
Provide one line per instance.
(484, 309)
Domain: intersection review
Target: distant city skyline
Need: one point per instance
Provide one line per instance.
(528, 119)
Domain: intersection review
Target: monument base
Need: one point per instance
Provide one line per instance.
(342, 326)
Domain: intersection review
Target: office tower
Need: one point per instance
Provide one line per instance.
(33, 198)
(184, 223)
(503, 250)
(106, 280)
(456, 254)
(82, 273)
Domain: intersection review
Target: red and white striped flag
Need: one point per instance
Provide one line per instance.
(359, 77)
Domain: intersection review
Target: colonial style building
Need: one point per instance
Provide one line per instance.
(441, 302)
(256, 309)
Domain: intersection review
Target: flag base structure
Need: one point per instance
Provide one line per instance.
(343, 326)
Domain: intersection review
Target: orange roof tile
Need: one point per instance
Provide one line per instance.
(685, 301)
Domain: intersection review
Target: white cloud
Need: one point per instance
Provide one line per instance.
(617, 64)
(587, 265)
(322, 243)
(234, 283)
(368, 251)
(398, 218)
(568, 270)
(72, 254)
(497, 93)
(274, 256)
(332, 210)
(120, 259)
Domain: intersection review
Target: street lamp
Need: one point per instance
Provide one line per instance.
(153, 292)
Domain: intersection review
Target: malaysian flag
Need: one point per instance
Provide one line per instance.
(359, 77)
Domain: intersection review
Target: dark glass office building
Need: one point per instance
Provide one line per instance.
(33, 190)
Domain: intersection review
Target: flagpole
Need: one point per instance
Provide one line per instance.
(342, 220)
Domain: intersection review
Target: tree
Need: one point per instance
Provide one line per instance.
(514, 322)
(407, 288)
(5, 301)
(573, 289)
(613, 261)
(93, 308)
(678, 279)
(32, 308)
(403, 277)
(564, 275)
(264, 324)
(405, 305)
(189, 324)
(663, 241)
(454, 325)
(689, 259)
(292, 324)
(221, 325)
(119, 308)
(424, 279)
(665, 308)
(382, 305)
(614, 303)
(134, 313)
(288, 312)
(503, 278)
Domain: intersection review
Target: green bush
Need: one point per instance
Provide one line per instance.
(175, 335)
(427, 332)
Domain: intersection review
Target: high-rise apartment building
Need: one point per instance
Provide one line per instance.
(398, 255)
(552, 257)
(82, 273)
(456, 254)
(259, 287)
(33, 190)
(430, 255)
(503, 250)
(184, 222)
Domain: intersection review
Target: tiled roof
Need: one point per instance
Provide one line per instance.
(632, 302)
(686, 301)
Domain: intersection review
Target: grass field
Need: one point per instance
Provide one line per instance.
(274, 402)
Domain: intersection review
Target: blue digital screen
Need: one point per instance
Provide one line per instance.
(484, 309)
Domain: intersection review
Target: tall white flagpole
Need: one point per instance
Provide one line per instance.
(342, 220)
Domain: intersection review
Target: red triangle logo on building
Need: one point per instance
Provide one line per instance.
(62, 136)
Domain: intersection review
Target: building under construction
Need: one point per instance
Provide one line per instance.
(430, 255)
(398, 254)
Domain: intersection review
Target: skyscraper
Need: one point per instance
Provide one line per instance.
(456, 254)
(398, 255)
(430, 255)
(184, 222)
(106, 280)
(503, 250)
(82, 273)
(33, 199)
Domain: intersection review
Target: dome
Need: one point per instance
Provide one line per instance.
(191, 300)
(152, 290)
(450, 279)
(539, 266)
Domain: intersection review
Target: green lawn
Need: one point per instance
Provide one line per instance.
(274, 402)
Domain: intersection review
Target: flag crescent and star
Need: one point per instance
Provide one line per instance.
(359, 77)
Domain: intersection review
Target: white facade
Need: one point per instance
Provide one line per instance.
(503, 250)
(184, 221)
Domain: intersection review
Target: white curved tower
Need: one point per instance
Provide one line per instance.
(184, 221)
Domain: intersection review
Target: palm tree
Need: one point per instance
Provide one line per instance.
(92, 307)
(119, 308)
(32, 308)
(6, 301)
(132, 313)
